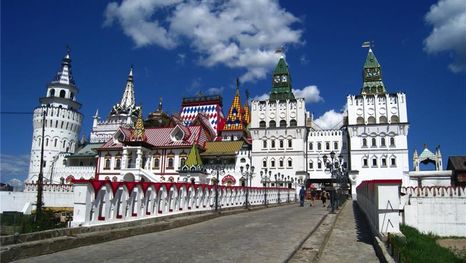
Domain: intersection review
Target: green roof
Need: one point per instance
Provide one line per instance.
(87, 151)
(194, 159)
(371, 60)
(281, 89)
(223, 148)
(281, 68)
(372, 76)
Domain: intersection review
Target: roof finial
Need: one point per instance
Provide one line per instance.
(130, 74)
(159, 109)
(368, 44)
(281, 51)
(68, 52)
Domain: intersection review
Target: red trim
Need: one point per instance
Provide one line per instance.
(147, 213)
(119, 216)
(379, 181)
(134, 214)
(101, 218)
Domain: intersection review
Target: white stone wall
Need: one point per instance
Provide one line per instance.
(25, 201)
(437, 210)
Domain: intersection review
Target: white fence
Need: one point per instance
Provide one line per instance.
(379, 200)
(440, 210)
(103, 202)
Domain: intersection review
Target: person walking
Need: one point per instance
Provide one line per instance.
(324, 198)
(302, 194)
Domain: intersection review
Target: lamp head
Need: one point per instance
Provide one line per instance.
(332, 154)
(252, 169)
(241, 168)
(340, 157)
(247, 167)
(325, 158)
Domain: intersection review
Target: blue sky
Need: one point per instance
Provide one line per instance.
(179, 48)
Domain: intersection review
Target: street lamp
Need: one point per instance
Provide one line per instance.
(218, 168)
(248, 175)
(338, 171)
(265, 181)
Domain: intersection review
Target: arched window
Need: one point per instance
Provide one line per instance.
(264, 163)
(264, 144)
(156, 163)
(365, 162)
(290, 162)
(71, 96)
(281, 143)
(374, 142)
(62, 93)
(55, 142)
(262, 124)
(395, 119)
(311, 165)
(281, 162)
(319, 164)
(107, 163)
(290, 143)
(382, 142)
(40, 140)
(170, 163)
(272, 163)
(371, 120)
(383, 119)
(293, 123)
(46, 141)
(52, 93)
(118, 164)
(327, 145)
(374, 161)
(360, 120)
(272, 143)
(383, 162)
(243, 160)
(319, 146)
(272, 124)
(364, 142)
(392, 141)
(182, 161)
(311, 146)
(393, 161)
(335, 145)
(282, 123)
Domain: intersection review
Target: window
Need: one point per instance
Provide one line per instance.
(281, 143)
(311, 165)
(62, 94)
(52, 93)
(382, 142)
(44, 164)
(311, 146)
(281, 162)
(392, 142)
(335, 145)
(290, 162)
(61, 126)
(327, 146)
(272, 124)
(290, 143)
(40, 139)
(365, 162)
(262, 124)
(319, 146)
(107, 163)
(384, 162)
(371, 120)
(282, 123)
(364, 142)
(243, 160)
(170, 163)
(374, 142)
(394, 119)
(360, 120)
(272, 142)
(55, 143)
(129, 163)
(393, 161)
(264, 144)
(183, 161)
(46, 141)
(319, 165)
(272, 163)
(156, 163)
(374, 162)
(293, 123)
(264, 163)
(64, 162)
(383, 119)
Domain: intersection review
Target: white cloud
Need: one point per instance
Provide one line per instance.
(448, 18)
(330, 120)
(310, 94)
(215, 91)
(235, 33)
(14, 165)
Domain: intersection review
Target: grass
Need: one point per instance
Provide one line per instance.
(18, 223)
(418, 247)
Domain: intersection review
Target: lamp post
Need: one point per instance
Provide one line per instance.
(40, 179)
(265, 181)
(218, 168)
(248, 175)
(337, 169)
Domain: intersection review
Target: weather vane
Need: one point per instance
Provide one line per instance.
(368, 44)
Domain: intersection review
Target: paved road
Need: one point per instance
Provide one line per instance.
(268, 235)
(351, 239)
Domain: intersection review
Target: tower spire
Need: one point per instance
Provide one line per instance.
(372, 73)
(138, 134)
(64, 75)
(127, 101)
(281, 81)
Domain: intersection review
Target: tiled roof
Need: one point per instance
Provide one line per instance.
(222, 148)
(457, 163)
(234, 119)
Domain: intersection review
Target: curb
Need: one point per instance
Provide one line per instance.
(55, 244)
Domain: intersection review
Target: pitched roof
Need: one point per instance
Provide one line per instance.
(194, 159)
(222, 148)
(90, 150)
(457, 163)
(234, 120)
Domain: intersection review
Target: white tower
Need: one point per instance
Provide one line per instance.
(377, 128)
(62, 125)
(278, 131)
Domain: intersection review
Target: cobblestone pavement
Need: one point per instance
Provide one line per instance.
(267, 235)
(350, 239)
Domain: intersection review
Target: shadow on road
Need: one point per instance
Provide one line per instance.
(362, 226)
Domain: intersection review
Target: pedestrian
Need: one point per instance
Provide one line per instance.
(302, 194)
(324, 198)
(313, 197)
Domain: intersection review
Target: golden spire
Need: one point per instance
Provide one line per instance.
(138, 133)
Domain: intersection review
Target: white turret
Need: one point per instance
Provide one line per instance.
(62, 123)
